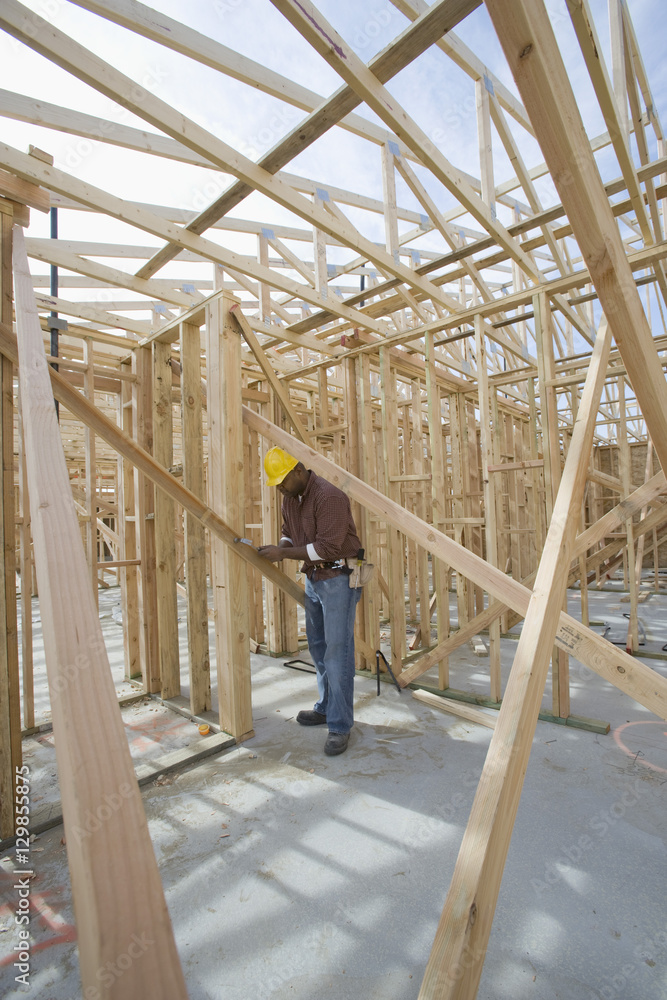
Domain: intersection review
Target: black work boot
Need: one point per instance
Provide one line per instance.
(310, 717)
(336, 743)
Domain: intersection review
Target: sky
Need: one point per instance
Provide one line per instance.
(436, 93)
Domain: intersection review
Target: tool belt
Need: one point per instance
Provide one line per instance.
(360, 572)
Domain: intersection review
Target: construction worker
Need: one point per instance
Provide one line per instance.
(319, 531)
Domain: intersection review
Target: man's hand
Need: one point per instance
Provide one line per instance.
(274, 553)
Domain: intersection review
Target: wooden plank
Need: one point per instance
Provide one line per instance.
(488, 189)
(552, 471)
(144, 494)
(91, 472)
(455, 964)
(50, 253)
(353, 461)
(199, 665)
(439, 493)
(127, 530)
(226, 496)
(370, 603)
(611, 663)
(93, 313)
(24, 192)
(490, 499)
(459, 708)
(602, 556)
(395, 544)
(415, 668)
(10, 718)
(527, 37)
(94, 764)
(25, 569)
(416, 451)
(165, 526)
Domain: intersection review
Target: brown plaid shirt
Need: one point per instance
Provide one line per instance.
(322, 518)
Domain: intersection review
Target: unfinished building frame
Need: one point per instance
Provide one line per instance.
(496, 409)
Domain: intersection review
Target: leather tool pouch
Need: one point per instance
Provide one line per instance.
(360, 573)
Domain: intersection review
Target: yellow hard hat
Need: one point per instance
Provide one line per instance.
(277, 463)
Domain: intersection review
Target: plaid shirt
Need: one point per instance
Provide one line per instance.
(321, 519)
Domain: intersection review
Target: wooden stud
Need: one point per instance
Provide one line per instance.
(25, 569)
(490, 525)
(228, 580)
(144, 494)
(395, 541)
(199, 667)
(91, 472)
(165, 525)
(127, 530)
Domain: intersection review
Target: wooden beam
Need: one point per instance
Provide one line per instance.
(627, 508)
(455, 964)
(199, 660)
(96, 315)
(459, 708)
(226, 496)
(51, 253)
(10, 717)
(165, 526)
(97, 780)
(24, 192)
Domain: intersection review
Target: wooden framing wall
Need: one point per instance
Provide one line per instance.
(487, 404)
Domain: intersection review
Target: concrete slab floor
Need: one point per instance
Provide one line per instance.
(292, 875)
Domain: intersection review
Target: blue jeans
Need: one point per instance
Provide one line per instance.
(330, 609)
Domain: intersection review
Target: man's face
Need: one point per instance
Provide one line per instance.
(292, 484)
